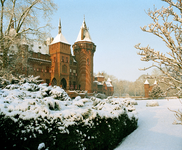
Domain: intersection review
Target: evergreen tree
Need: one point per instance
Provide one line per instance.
(156, 92)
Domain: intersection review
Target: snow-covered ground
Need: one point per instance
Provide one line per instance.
(155, 129)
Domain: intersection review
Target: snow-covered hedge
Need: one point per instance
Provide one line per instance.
(31, 114)
(152, 103)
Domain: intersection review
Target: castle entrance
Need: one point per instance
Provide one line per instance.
(54, 81)
(63, 83)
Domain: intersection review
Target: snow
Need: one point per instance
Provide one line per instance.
(156, 130)
(38, 47)
(152, 103)
(60, 38)
(31, 101)
(41, 145)
(146, 82)
(85, 33)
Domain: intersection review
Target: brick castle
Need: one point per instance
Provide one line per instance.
(148, 88)
(56, 65)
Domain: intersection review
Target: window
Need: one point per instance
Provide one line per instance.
(71, 61)
(70, 70)
(67, 59)
(54, 59)
(64, 69)
(47, 69)
(88, 63)
(74, 85)
(62, 59)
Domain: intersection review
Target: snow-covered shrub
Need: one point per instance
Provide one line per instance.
(133, 102)
(58, 93)
(31, 113)
(101, 96)
(41, 146)
(10, 79)
(152, 103)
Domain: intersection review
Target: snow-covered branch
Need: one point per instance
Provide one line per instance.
(167, 25)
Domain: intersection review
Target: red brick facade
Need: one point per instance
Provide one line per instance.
(84, 52)
(148, 88)
(60, 67)
(102, 86)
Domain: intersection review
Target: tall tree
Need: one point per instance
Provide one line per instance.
(20, 19)
(167, 26)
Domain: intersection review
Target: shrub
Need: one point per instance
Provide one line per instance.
(33, 114)
(152, 104)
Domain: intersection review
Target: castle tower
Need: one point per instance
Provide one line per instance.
(146, 88)
(60, 51)
(83, 50)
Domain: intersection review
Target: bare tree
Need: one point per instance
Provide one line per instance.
(167, 25)
(20, 19)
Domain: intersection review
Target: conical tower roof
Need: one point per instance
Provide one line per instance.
(84, 34)
(146, 82)
(155, 82)
(59, 37)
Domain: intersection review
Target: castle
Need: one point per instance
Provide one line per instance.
(148, 88)
(56, 65)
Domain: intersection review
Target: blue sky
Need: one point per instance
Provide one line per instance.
(114, 27)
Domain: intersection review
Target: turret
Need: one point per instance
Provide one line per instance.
(59, 50)
(84, 49)
(146, 88)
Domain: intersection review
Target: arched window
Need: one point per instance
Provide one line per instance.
(54, 81)
(63, 83)
(64, 69)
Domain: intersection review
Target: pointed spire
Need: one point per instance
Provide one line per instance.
(59, 26)
(84, 34)
(59, 37)
(84, 24)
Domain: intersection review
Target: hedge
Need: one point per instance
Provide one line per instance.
(101, 134)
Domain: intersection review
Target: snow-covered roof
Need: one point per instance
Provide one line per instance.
(74, 60)
(39, 48)
(155, 82)
(60, 38)
(109, 80)
(146, 82)
(108, 84)
(100, 83)
(84, 34)
(99, 75)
